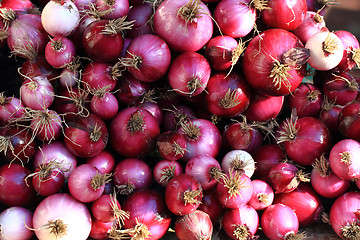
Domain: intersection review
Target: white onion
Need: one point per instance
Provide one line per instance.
(15, 224)
(326, 50)
(238, 160)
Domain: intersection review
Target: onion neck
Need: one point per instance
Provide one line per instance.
(322, 166)
(177, 149)
(190, 11)
(167, 174)
(5, 145)
(136, 122)
(134, 61)
(116, 71)
(8, 15)
(57, 45)
(263, 198)
(96, 133)
(232, 182)
(191, 131)
(351, 231)
(318, 18)
(230, 99)
(215, 173)
(313, 95)
(355, 56)
(115, 26)
(57, 227)
(99, 180)
(329, 45)
(290, 129)
(190, 197)
(126, 189)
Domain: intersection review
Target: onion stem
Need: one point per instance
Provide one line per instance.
(57, 227)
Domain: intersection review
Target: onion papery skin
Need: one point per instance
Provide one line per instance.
(104, 161)
(147, 207)
(62, 206)
(55, 151)
(309, 209)
(235, 18)
(208, 141)
(227, 95)
(311, 24)
(132, 174)
(189, 74)
(282, 177)
(11, 108)
(193, 226)
(175, 191)
(204, 169)
(258, 62)
(351, 44)
(101, 230)
(53, 13)
(86, 136)
(348, 121)
(182, 35)
(142, 14)
(245, 218)
(134, 142)
(307, 99)
(99, 46)
(171, 145)
(15, 188)
(119, 8)
(263, 108)
(242, 194)
(15, 223)
(342, 214)
(263, 195)
(286, 14)
(99, 75)
(165, 170)
(154, 54)
(62, 55)
(344, 159)
(106, 106)
(311, 140)
(273, 224)
(266, 157)
(27, 33)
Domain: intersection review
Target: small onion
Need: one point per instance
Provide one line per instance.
(238, 160)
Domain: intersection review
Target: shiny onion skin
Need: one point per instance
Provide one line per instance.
(194, 226)
(266, 157)
(86, 136)
(263, 195)
(118, 8)
(284, 14)
(141, 13)
(135, 131)
(171, 145)
(308, 210)
(48, 179)
(351, 55)
(263, 56)
(99, 75)
(16, 223)
(211, 205)
(148, 212)
(182, 31)
(227, 95)
(349, 121)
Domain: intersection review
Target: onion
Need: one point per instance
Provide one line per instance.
(11, 108)
(183, 194)
(101, 230)
(46, 125)
(344, 215)
(312, 23)
(108, 209)
(241, 222)
(238, 160)
(189, 74)
(325, 182)
(60, 52)
(171, 145)
(18, 5)
(35, 66)
(326, 50)
(280, 222)
(98, 75)
(149, 217)
(348, 121)
(113, 9)
(193, 226)
(329, 115)
(185, 25)
(211, 205)
(267, 65)
(142, 14)
(104, 162)
(263, 195)
(64, 12)
(165, 170)
(104, 104)
(16, 224)
(266, 157)
(54, 218)
(351, 56)
(344, 159)
(132, 174)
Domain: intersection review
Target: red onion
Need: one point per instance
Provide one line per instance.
(263, 195)
(348, 121)
(37, 93)
(64, 12)
(147, 58)
(54, 218)
(189, 74)
(98, 75)
(134, 132)
(238, 160)
(325, 182)
(60, 52)
(344, 159)
(234, 189)
(241, 222)
(211, 205)
(184, 25)
(46, 125)
(113, 9)
(227, 95)
(165, 170)
(344, 215)
(286, 177)
(171, 145)
(104, 104)
(286, 14)
(11, 108)
(35, 66)
(266, 157)
(108, 209)
(86, 183)
(309, 210)
(142, 14)
(202, 137)
(149, 217)
(153, 108)
(267, 65)
(236, 18)
(15, 188)
(329, 115)
(320, 5)
(55, 151)
(104, 162)
(351, 55)
(193, 226)
(280, 222)
(175, 115)
(205, 169)
(86, 136)
(101, 230)
(132, 174)
(18, 5)
(183, 194)
(326, 50)
(16, 224)
(312, 23)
